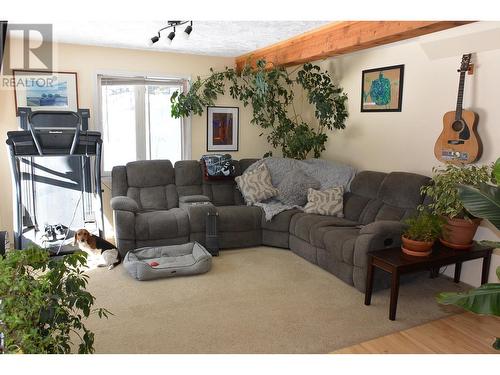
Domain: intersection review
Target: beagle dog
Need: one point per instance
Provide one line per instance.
(99, 251)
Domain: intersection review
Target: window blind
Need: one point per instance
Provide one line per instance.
(119, 81)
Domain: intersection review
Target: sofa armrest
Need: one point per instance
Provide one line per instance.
(122, 203)
(383, 226)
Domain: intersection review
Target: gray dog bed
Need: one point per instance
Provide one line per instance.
(150, 263)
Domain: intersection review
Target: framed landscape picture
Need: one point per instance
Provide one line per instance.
(222, 128)
(44, 91)
(382, 89)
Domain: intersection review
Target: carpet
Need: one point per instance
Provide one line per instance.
(257, 300)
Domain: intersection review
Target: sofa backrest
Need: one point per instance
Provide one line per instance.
(189, 181)
(383, 196)
(151, 183)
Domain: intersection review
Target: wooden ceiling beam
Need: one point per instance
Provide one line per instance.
(340, 38)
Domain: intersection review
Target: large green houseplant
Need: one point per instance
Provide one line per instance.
(484, 202)
(461, 225)
(43, 303)
(271, 91)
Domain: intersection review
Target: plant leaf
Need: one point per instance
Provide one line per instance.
(483, 203)
(496, 171)
(482, 300)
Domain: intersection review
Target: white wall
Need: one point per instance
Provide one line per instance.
(404, 141)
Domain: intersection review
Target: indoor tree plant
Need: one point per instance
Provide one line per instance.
(483, 202)
(461, 225)
(421, 233)
(271, 91)
(43, 302)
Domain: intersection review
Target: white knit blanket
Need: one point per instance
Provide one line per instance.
(328, 173)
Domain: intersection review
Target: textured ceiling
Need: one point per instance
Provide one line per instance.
(216, 38)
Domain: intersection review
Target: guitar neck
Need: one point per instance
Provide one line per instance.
(460, 98)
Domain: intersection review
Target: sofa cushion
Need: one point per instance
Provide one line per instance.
(402, 189)
(292, 190)
(364, 189)
(154, 197)
(339, 243)
(220, 193)
(302, 224)
(280, 222)
(239, 218)
(256, 185)
(148, 173)
(326, 202)
(162, 224)
(188, 177)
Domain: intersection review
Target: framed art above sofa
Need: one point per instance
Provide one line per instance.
(222, 128)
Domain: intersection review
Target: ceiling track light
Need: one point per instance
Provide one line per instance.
(172, 25)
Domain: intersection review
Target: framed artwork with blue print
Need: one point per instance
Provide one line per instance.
(382, 89)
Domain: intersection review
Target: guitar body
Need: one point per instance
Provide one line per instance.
(459, 142)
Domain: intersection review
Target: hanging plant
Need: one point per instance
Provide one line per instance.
(271, 92)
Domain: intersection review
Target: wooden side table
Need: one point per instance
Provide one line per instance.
(397, 263)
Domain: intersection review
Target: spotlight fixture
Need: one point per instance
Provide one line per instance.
(171, 36)
(187, 30)
(154, 39)
(172, 25)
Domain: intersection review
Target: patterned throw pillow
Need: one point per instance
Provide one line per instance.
(256, 185)
(294, 187)
(327, 202)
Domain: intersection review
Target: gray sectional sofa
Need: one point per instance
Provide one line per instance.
(152, 205)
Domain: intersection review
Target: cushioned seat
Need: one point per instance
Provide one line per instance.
(162, 224)
(280, 222)
(239, 218)
(166, 261)
(302, 224)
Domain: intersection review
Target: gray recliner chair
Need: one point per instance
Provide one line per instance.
(145, 206)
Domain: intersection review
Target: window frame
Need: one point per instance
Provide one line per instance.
(141, 128)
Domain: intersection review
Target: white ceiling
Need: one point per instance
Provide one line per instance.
(216, 38)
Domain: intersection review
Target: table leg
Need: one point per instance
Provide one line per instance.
(458, 270)
(369, 282)
(394, 294)
(486, 269)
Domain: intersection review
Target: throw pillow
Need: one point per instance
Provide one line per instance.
(327, 202)
(294, 187)
(256, 185)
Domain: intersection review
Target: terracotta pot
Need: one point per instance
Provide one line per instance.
(459, 232)
(420, 246)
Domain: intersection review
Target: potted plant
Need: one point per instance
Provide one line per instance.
(461, 225)
(421, 233)
(483, 202)
(43, 302)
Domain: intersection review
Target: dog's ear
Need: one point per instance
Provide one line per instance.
(74, 238)
(91, 241)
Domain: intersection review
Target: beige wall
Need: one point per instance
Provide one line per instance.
(405, 141)
(87, 61)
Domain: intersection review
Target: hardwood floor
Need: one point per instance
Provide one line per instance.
(457, 334)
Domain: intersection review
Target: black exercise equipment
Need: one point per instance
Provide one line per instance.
(53, 176)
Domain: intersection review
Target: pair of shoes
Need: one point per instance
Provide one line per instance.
(52, 232)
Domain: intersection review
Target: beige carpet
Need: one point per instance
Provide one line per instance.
(259, 300)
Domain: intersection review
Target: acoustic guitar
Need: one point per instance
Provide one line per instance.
(459, 142)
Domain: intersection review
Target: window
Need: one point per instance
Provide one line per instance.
(136, 123)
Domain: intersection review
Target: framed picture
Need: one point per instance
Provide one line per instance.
(222, 128)
(382, 89)
(46, 91)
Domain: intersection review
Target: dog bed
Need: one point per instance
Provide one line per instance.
(150, 263)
